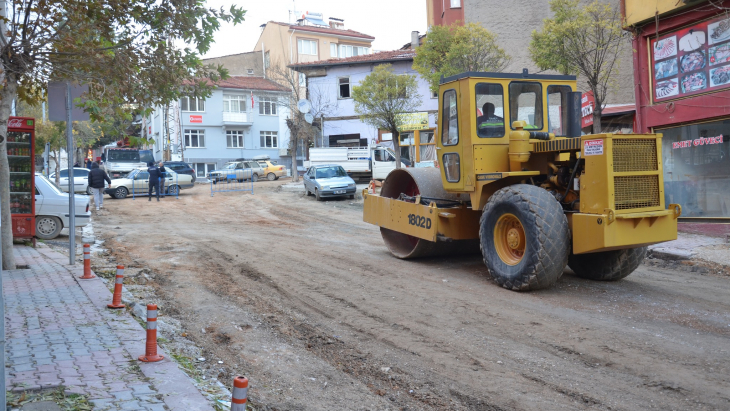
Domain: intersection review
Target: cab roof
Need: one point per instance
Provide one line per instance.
(508, 76)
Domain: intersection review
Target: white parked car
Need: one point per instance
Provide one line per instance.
(138, 181)
(51, 209)
(81, 180)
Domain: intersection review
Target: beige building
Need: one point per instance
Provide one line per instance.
(241, 64)
(284, 44)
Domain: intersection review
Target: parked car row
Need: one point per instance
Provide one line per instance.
(137, 182)
(242, 170)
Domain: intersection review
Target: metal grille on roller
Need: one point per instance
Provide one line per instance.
(636, 192)
(633, 154)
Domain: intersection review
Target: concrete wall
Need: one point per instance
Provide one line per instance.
(240, 64)
(513, 26)
(342, 119)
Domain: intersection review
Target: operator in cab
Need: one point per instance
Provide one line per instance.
(489, 123)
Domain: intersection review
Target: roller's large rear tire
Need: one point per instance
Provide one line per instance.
(524, 237)
(607, 265)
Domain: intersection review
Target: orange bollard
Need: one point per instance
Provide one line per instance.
(240, 391)
(117, 299)
(87, 263)
(151, 346)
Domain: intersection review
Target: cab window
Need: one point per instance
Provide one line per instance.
(557, 110)
(449, 122)
(525, 104)
(490, 110)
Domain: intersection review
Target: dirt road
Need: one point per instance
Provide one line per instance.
(304, 299)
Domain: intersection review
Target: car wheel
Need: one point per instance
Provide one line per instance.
(306, 190)
(215, 181)
(271, 176)
(351, 196)
(173, 190)
(240, 180)
(255, 177)
(121, 192)
(88, 190)
(47, 227)
(316, 195)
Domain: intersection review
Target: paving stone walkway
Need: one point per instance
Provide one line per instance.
(60, 333)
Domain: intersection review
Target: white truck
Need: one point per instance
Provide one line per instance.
(360, 162)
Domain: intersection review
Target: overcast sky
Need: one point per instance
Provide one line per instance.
(389, 21)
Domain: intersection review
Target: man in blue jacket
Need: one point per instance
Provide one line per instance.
(156, 173)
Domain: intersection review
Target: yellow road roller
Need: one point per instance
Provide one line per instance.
(518, 181)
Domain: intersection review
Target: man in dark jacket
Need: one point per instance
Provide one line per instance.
(156, 173)
(96, 180)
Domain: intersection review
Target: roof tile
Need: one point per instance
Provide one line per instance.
(327, 30)
(365, 58)
(248, 83)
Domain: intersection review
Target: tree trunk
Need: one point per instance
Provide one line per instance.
(396, 147)
(58, 168)
(597, 116)
(7, 95)
(295, 147)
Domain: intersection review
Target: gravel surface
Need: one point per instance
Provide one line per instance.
(304, 299)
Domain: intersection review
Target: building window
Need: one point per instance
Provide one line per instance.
(194, 138)
(360, 51)
(302, 80)
(267, 60)
(307, 47)
(267, 106)
(269, 140)
(234, 103)
(333, 50)
(202, 169)
(455, 4)
(345, 51)
(344, 83)
(434, 94)
(192, 104)
(234, 138)
(249, 71)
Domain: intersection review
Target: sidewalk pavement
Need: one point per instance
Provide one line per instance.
(59, 332)
(693, 246)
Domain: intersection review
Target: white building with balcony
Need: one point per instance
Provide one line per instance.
(243, 118)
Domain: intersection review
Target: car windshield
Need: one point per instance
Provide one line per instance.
(145, 156)
(230, 166)
(132, 173)
(123, 156)
(330, 172)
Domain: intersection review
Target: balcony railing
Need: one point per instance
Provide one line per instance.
(236, 117)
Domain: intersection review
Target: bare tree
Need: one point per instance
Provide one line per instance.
(582, 40)
(301, 132)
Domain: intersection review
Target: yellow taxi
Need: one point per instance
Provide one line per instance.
(272, 171)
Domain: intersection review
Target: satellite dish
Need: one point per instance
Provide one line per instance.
(304, 106)
(309, 118)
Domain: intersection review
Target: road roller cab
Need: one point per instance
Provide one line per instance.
(518, 181)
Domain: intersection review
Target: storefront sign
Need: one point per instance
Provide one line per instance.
(586, 109)
(593, 148)
(692, 60)
(196, 119)
(413, 121)
(702, 141)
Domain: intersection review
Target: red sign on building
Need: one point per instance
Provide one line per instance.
(586, 109)
(196, 119)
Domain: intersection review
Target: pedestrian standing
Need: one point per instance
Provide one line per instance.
(96, 180)
(87, 163)
(154, 179)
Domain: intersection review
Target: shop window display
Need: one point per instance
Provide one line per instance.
(696, 168)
